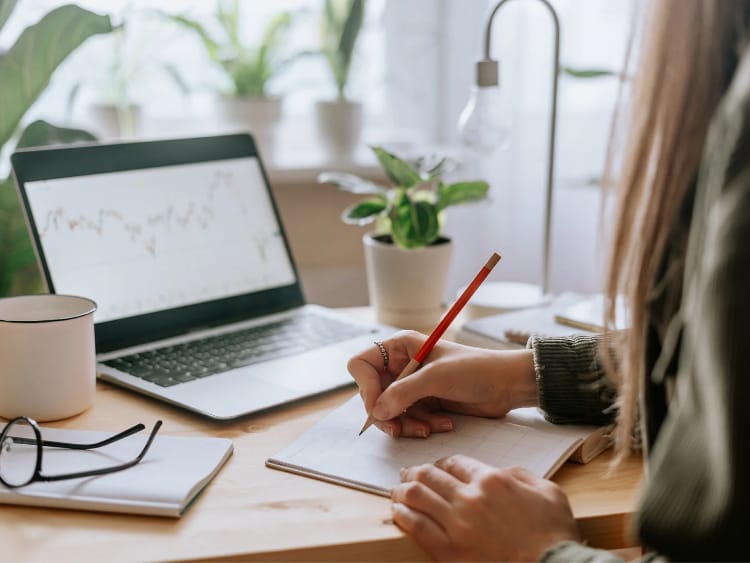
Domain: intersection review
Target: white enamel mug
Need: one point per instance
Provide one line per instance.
(47, 356)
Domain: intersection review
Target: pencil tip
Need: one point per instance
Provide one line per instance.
(366, 425)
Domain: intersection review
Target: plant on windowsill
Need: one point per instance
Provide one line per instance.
(339, 121)
(25, 71)
(248, 70)
(120, 64)
(407, 257)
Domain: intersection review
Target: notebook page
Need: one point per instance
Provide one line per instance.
(332, 450)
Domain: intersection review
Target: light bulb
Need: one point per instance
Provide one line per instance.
(482, 125)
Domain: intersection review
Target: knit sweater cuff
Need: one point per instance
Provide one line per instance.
(567, 551)
(572, 384)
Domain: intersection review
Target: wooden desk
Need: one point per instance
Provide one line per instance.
(250, 512)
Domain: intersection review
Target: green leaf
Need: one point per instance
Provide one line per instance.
(6, 9)
(171, 71)
(400, 172)
(414, 224)
(351, 29)
(340, 26)
(41, 133)
(25, 70)
(18, 270)
(249, 78)
(364, 212)
(587, 72)
(249, 69)
(461, 192)
(276, 30)
(348, 39)
(229, 19)
(211, 46)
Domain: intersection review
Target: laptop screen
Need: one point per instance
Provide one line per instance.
(141, 241)
(167, 236)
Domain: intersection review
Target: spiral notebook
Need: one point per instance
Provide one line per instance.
(165, 483)
(332, 451)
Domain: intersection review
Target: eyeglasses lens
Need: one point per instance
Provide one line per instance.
(18, 453)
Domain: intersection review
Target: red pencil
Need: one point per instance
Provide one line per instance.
(444, 323)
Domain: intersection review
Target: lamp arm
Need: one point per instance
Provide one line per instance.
(552, 129)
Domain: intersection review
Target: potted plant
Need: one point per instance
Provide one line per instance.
(25, 71)
(248, 69)
(339, 121)
(407, 257)
(119, 66)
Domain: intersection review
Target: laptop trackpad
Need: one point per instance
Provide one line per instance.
(230, 394)
(312, 372)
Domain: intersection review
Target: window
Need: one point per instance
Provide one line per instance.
(413, 71)
(140, 65)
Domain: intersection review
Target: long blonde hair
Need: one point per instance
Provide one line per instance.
(688, 54)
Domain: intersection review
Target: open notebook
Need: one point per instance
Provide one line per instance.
(332, 451)
(173, 473)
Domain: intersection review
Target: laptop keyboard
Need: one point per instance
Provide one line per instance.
(187, 361)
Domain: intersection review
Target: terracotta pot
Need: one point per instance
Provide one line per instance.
(407, 287)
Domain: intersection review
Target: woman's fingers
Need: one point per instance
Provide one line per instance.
(378, 365)
(462, 467)
(367, 378)
(400, 395)
(419, 421)
(437, 480)
(423, 529)
(406, 426)
(390, 427)
(422, 498)
(426, 416)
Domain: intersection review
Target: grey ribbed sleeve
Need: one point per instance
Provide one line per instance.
(571, 551)
(573, 387)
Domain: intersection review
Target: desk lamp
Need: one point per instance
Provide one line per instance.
(482, 130)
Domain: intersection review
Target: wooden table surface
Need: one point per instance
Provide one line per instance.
(250, 512)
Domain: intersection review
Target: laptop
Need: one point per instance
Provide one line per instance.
(181, 245)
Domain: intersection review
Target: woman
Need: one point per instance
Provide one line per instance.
(681, 256)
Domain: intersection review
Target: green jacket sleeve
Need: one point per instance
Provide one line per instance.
(695, 506)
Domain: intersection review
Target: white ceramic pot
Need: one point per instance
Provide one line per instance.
(260, 116)
(407, 287)
(112, 121)
(339, 124)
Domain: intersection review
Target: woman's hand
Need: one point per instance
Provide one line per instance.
(453, 378)
(462, 509)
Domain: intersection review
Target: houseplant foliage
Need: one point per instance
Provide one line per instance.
(410, 210)
(124, 68)
(249, 68)
(25, 71)
(339, 121)
(341, 24)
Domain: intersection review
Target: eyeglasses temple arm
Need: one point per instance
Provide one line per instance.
(124, 434)
(105, 470)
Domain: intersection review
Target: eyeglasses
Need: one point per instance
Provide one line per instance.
(21, 453)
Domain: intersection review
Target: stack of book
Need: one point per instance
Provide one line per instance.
(568, 314)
